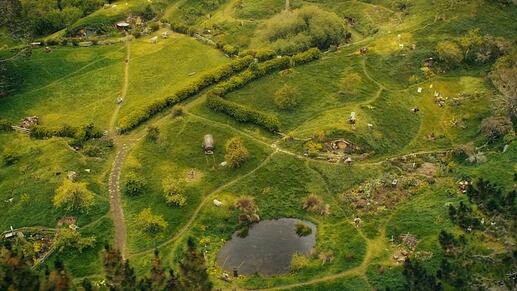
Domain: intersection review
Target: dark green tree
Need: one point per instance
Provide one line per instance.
(193, 270)
(157, 272)
(58, 279)
(15, 270)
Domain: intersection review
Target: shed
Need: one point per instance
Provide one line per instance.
(208, 144)
(123, 25)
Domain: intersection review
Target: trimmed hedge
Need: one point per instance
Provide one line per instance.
(243, 113)
(138, 116)
(306, 56)
(84, 133)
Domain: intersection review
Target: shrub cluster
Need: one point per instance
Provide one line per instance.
(136, 117)
(243, 113)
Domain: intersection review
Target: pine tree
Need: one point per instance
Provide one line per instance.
(172, 283)
(129, 277)
(157, 272)
(193, 270)
(113, 267)
(58, 279)
(16, 272)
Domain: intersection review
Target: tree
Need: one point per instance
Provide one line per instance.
(418, 278)
(504, 77)
(316, 204)
(193, 269)
(174, 191)
(494, 127)
(58, 279)
(287, 97)
(150, 222)
(112, 262)
(158, 275)
(15, 270)
(236, 152)
(153, 134)
(449, 52)
(300, 29)
(134, 185)
(74, 196)
(248, 210)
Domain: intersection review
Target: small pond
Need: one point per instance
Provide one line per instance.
(268, 247)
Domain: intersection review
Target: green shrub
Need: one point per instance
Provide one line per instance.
(153, 134)
(135, 185)
(302, 229)
(236, 152)
(174, 191)
(494, 128)
(286, 98)
(230, 50)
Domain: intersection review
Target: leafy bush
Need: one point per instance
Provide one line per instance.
(153, 134)
(449, 53)
(174, 191)
(230, 50)
(286, 98)
(134, 186)
(299, 261)
(302, 229)
(495, 127)
(177, 111)
(236, 152)
(316, 204)
(74, 196)
(67, 238)
(150, 222)
(248, 210)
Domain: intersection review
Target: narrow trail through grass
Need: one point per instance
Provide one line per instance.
(115, 200)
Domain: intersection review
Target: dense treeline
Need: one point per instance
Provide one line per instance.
(47, 16)
(136, 117)
(464, 266)
(298, 30)
(243, 113)
(16, 272)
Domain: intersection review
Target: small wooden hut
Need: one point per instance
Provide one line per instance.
(208, 144)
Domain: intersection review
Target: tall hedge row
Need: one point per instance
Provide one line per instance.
(84, 133)
(243, 113)
(138, 116)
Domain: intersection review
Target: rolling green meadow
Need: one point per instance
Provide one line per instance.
(418, 130)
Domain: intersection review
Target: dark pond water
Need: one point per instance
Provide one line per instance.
(267, 249)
